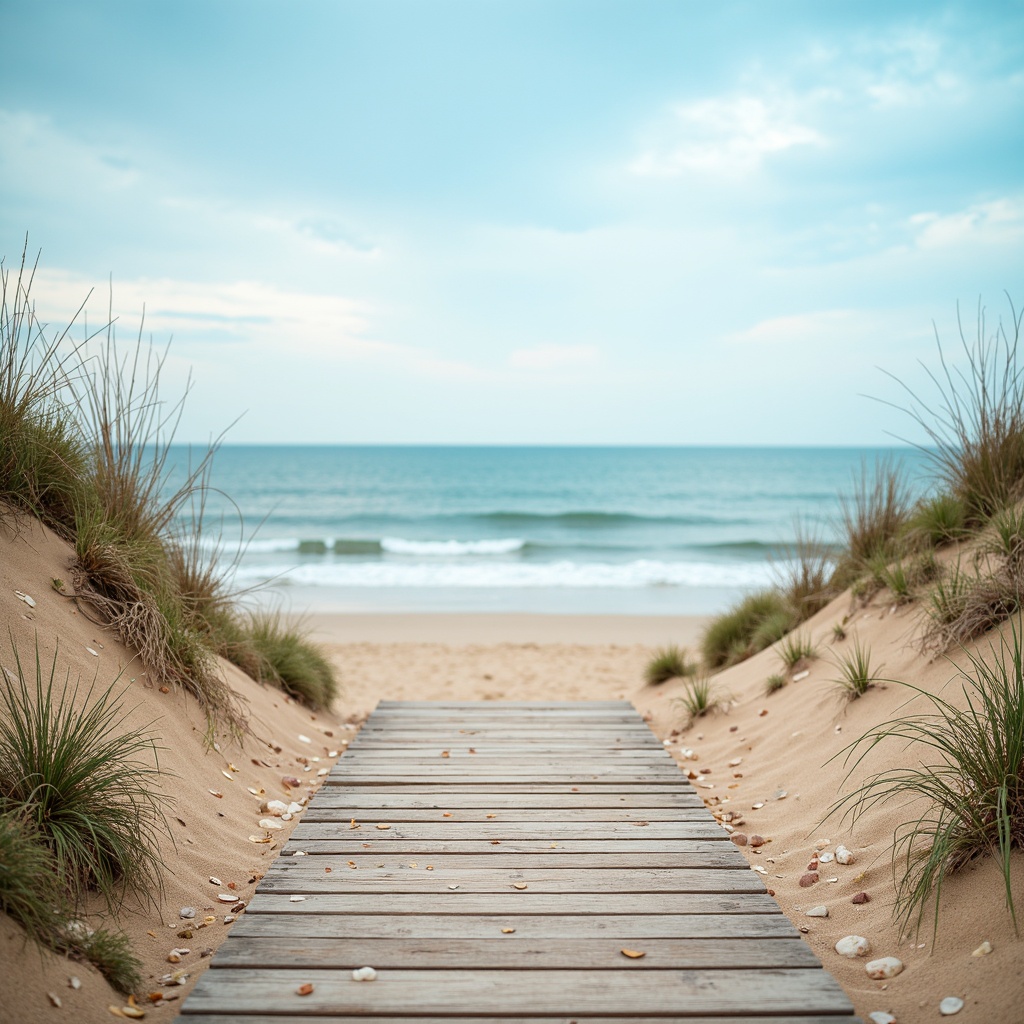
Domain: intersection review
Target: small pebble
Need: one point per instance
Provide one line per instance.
(950, 1005)
(882, 1017)
(817, 912)
(739, 838)
(883, 968)
(853, 945)
(186, 912)
(756, 840)
(809, 879)
(54, 999)
(74, 982)
(861, 897)
(984, 949)
(844, 856)
(826, 858)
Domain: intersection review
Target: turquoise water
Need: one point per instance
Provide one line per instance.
(582, 530)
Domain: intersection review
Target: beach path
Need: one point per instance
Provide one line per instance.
(518, 861)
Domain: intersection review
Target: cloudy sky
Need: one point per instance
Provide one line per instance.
(522, 221)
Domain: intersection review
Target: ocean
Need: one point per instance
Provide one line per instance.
(521, 529)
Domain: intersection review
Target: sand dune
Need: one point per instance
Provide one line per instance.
(773, 752)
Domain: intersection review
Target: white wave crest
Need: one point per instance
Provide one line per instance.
(585, 575)
(449, 548)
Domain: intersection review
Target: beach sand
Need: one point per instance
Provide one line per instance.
(766, 759)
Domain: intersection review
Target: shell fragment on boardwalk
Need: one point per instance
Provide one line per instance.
(556, 864)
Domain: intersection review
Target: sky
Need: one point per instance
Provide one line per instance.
(522, 221)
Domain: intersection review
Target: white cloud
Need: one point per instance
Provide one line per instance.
(996, 222)
(553, 357)
(727, 135)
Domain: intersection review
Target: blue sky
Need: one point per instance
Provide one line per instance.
(499, 221)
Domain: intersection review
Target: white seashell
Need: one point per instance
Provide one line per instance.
(881, 1017)
(817, 912)
(950, 1005)
(54, 999)
(853, 945)
(825, 858)
(884, 967)
(274, 807)
(323, 771)
(92, 652)
(364, 974)
(22, 596)
(286, 816)
(296, 899)
(294, 808)
(844, 856)
(271, 823)
(304, 739)
(227, 897)
(984, 949)
(800, 676)
(215, 881)
(75, 982)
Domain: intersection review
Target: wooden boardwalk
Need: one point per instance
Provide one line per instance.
(493, 862)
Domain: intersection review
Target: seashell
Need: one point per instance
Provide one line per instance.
(826, 858)
(74, 982)
(881, 1017)
(290, 782)
(274, 807)
(304, 990)
(883, 968)
(215, 881)
(54, 999)
(984, 949)
(92, 652)
(950, 1005)
(817, 912)
(853, 945)
(296, 899)
(294, 808)
(21, 596)
(304, 739)
(801, 676)
(227, 897)
(364, 974)
(132, 1011)
(271, 824)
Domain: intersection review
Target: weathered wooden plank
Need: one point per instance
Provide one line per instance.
(514, 902)
(383, 776)
(389, 814)
(514, 830)
(512, 993)
(336, 786)
(569, 926)
(513, 951)
(358, 845)
(441, 799)
(692, 854)
(308, 879)
(662, 1018)
(480, 755)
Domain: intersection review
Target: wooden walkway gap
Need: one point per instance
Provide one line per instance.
(502, 861)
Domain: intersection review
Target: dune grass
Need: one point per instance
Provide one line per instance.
(969, 775)
(856, 676)
(975, 422)
(775, 682)
(794, 648)
(669, 662)
(85, 446)
(29, 889)
(85, 781)
(699, 698)
(738, 633)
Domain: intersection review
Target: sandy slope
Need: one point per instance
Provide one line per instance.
(490, 658)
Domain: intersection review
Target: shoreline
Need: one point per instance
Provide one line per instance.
(473, 628)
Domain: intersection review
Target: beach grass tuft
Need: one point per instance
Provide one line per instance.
(975, 424)
(856, 676)
(669, 662)
(775, 682)
(737, 634)
(84, 780)
(699, 698)
(969, 776)
(796, 647)
(29, 889)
